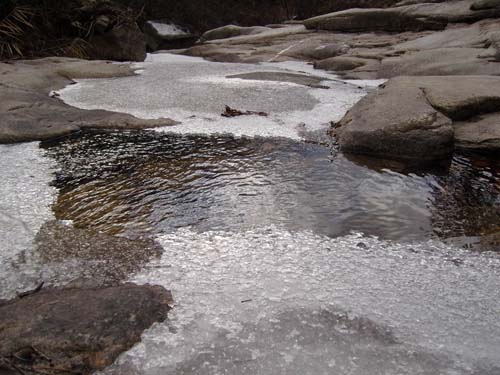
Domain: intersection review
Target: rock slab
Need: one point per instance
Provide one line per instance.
(421, 118)
(77, 331)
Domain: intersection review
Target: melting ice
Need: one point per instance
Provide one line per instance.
(195, 92)
(25, 204)
(271, 301)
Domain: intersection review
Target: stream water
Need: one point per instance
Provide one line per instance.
(283, 255)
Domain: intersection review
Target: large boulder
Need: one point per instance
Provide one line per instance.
(124, 42)
(360, 20)
(482, 134)
(163, 35)
(396, 122)
(231, 31)
(414, 117)
(77, 331)
(416, 17)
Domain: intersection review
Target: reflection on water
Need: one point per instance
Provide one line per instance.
(139, 182)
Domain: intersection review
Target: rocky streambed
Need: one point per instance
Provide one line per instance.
(286, 245)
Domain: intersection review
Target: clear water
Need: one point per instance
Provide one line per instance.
(144, 182)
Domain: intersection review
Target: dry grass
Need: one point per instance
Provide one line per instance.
(12, 29)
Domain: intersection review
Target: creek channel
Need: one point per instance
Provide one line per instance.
(284, 256)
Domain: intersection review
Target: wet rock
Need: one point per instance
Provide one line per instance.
(124, 42)
(412, 117)
(102, 24)
(340, 64)
(231, 31)
(481, 134)
(396, 122)
(94, 254)
(485, 4)
(77, 331)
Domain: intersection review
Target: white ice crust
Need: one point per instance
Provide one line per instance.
(195, 92)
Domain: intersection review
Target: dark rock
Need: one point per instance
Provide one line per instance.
(97, 255)
(412, 2)
(485, 4)
(340, 63)
(102, 23)
(359, 20)
(231, 31)
(77, 330)
(416, 17)
(124, 42)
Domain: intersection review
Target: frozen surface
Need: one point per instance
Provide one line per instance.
(195, 92)
(25, 204)
(271, 301)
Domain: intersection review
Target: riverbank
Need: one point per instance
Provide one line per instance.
(29, 112)
(450, 50)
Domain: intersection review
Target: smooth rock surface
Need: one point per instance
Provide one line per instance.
(230, 31)
(482, 134)
(411, 117)
(397, 122)
(416, 17)
(77, 330)
(358, 20)
(340, 64)
(28, 113)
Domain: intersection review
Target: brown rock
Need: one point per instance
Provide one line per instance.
(124, 42)
(77, 330)
(411, 118)
(481, 134)
(28, 113)
(340, 63)
(396, 122)
(96, 255)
